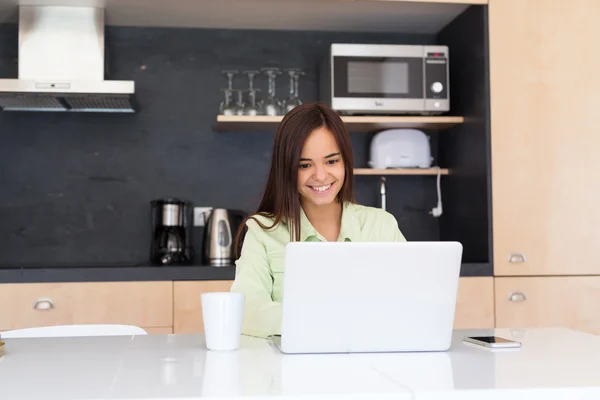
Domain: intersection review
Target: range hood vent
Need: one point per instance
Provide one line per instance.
(61, 64)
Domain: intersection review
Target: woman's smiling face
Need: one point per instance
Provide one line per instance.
(321, 170)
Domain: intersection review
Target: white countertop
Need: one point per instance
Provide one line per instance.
(552, 364)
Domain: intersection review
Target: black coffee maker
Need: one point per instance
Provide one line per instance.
(171, 232)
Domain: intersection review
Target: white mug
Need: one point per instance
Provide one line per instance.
(222, 314)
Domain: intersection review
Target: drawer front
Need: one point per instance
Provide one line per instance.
(474, 308)
(159, 331)
(144, 304)
(475, 303)
(569, 302)
(187, 316)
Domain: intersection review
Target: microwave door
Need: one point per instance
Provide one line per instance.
(386, 84)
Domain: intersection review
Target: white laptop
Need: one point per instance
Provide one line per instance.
(353, 297)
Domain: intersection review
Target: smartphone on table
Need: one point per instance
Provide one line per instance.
(492, 342)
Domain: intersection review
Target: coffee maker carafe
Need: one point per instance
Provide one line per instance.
(171, 230)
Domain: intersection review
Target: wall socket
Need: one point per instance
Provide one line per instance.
(200, 215)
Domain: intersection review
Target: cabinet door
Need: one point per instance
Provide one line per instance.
(535, 302)
(544, 134)
(187, 309)
(442, 1)
(144, 304)
(475, 303)
(160, 331)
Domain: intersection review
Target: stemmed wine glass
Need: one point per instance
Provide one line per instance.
(293, 100)
(271, 105)
(239, 105)
(226, 107)
(252, 108)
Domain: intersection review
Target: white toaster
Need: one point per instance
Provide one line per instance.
(400, 148)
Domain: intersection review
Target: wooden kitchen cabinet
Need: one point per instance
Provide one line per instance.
(533, 302)
(160, 331)
(474, 308)
(148, 305)
(544, 136)
(187, 309)
(475, 303)
(444, 1)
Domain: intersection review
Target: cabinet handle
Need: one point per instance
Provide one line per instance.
(517, 258)
(517, 297)
(43, 303)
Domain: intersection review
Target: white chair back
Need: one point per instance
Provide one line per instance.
(74, 330)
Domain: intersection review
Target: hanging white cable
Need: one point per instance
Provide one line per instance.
(437, 211)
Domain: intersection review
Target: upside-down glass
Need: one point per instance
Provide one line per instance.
(252, 107)
(271, 106)
(293, 100)
(239, 104)
(226, 107)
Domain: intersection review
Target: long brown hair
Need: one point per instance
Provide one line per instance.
(281, 201)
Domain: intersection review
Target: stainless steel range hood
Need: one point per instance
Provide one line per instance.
(61, 64)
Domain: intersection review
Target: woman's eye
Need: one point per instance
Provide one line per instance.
(304, 166)
(331, 162)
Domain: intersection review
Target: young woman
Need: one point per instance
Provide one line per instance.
(309, 197)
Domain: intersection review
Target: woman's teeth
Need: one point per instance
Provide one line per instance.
(321, 188)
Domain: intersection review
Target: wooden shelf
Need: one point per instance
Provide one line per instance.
(353, 123)
(399, 171)
(383, 16)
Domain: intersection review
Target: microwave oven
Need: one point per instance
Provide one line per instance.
(385, 79)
